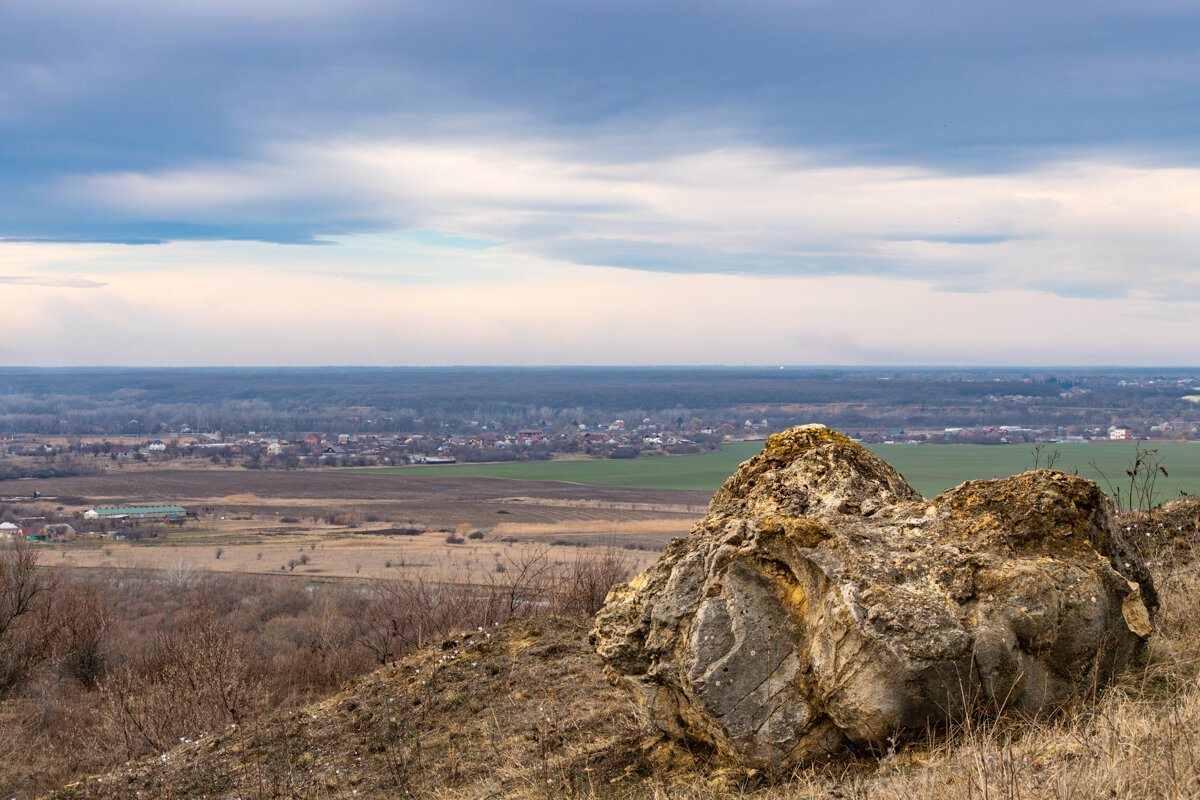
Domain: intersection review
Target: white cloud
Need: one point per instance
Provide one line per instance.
(723, 256)
(1088, 228)
(238, 304)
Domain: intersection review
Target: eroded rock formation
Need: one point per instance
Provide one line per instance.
(822, 599)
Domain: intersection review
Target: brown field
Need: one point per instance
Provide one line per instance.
(335, 555)
(346, 523)
(431, 499)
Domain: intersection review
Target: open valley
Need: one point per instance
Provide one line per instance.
(326, 525)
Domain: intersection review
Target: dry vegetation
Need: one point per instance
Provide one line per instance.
(516, 708)
(335, 555)
(98, 668)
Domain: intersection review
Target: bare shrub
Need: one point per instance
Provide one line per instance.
(24, 594)
(82, 620)
(181, 575)
(198, 676)
(116, 652)
(589, 578)
(405, 613)
(327, 654)
(528, 582)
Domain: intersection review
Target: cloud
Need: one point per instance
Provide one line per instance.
(254, 312)
(988, 157)
(133, 85)
(50, 282)
(1096, 229)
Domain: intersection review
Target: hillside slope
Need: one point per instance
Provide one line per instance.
(517, 711)
(522, 711)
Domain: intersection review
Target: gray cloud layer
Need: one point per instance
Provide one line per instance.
(136, 86)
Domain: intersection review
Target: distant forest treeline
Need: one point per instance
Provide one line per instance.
(389, 400)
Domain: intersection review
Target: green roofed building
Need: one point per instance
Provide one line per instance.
(137, 512)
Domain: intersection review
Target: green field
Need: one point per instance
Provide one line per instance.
(933, 468)
(929, 468)
(707, 471)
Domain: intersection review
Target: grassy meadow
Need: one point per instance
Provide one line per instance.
(929, 468)
(705, 471)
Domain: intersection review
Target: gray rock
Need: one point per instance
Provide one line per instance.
(823, 600)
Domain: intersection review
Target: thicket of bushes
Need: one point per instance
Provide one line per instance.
(97, 668)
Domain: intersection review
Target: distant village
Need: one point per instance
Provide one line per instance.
(88, 425)
(472, 441)
(475, 441)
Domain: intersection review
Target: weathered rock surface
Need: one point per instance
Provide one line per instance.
(822, 599)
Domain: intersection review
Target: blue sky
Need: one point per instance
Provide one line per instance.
(362, 182)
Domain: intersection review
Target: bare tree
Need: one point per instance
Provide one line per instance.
(24, 590)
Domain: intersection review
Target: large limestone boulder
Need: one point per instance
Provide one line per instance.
(823, 600)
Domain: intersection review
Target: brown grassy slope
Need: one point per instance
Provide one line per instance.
(522, 711)
(516, 711)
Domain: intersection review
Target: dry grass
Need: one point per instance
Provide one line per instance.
(359, 557)
(529, 716)
(522, 711)
(670, 527)
(133, 665)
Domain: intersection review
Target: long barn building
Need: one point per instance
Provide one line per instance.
(136, 512)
